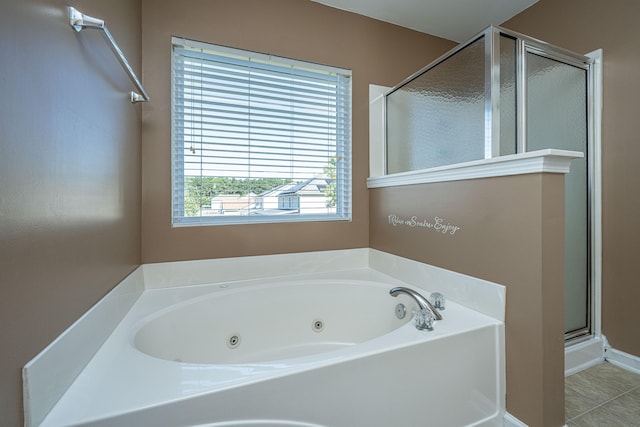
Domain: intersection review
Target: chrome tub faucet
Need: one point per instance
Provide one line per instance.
(423, 303)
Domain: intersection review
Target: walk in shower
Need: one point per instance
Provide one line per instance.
(504, 93)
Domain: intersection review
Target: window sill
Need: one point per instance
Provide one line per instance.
(543, 161)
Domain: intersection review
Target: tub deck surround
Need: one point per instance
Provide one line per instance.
(48, 375)
(124, 386)
(198, 272)
(476, 294)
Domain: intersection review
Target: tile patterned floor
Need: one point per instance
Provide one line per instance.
(602, 396)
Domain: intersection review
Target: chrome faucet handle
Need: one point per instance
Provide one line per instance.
(424, 320)
(438, 300)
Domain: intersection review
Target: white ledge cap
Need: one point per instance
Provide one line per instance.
(542, 161)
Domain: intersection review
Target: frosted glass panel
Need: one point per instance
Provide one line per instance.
(557, 118)
(438, 118)
(507, 95)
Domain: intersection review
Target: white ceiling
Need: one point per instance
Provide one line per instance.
(456, 20)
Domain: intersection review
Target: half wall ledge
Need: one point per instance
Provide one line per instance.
(541, 161)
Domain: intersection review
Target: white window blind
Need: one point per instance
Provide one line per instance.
(258, 138)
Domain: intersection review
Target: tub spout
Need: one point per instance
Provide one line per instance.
(419, 299)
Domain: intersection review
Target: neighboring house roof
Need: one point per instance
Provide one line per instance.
(312, 186)
(277, 190)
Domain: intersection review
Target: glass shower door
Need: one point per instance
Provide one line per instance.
(557, 117)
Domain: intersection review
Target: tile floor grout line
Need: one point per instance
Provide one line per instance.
(603, 403)
(633, 387)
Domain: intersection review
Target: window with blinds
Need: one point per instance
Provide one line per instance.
(258, 138)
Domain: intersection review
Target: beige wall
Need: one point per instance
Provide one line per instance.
(584, 26)
(376, 52)
(69, 175)
(511, 232)
(70, 172)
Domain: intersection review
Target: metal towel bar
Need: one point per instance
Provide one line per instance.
(80, 21)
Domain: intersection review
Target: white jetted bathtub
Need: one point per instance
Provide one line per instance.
(323, 349)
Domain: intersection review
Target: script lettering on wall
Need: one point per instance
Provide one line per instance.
(437, 224)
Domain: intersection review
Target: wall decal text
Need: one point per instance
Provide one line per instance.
(437, 224)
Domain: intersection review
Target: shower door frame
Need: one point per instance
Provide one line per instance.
(591, 64)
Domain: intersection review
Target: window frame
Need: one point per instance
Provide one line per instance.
(341, 129)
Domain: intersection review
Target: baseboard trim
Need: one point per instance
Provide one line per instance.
(620, 358)
(511, 421)
(583, 355)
